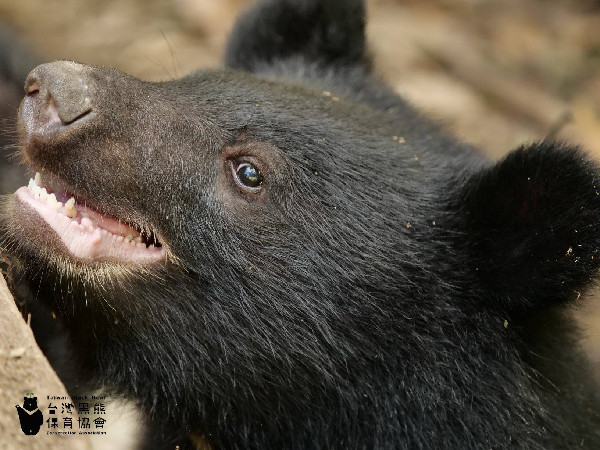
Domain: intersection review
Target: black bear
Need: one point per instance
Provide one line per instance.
(30, 416)
(282, 254)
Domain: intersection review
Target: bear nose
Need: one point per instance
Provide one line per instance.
(57, 93)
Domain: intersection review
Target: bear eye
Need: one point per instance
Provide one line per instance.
(247, 175)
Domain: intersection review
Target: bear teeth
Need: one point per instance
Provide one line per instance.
(80, 219)
(38, 191)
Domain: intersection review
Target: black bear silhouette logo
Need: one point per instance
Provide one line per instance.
(30, 416)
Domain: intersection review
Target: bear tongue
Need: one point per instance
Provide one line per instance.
(92, 218)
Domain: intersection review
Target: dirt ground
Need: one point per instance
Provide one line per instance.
(496, 72)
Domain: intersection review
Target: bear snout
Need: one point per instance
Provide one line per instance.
(58, 95)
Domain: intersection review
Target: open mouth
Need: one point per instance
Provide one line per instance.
(86, 233)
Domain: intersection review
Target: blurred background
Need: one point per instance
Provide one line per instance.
(497, 73)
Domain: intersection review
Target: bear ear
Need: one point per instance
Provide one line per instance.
(326, 32)
(532, 226)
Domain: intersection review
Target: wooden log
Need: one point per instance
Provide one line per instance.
(24, 369)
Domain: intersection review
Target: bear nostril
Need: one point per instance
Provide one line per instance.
(33, 88)
(58, 93)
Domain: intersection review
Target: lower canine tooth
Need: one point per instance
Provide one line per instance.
(70, 209)
(38, 179)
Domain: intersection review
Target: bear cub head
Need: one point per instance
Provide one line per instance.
(283, 254)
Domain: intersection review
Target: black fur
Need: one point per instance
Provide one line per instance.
(328, 33)
(544, 200)
(387, 288)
